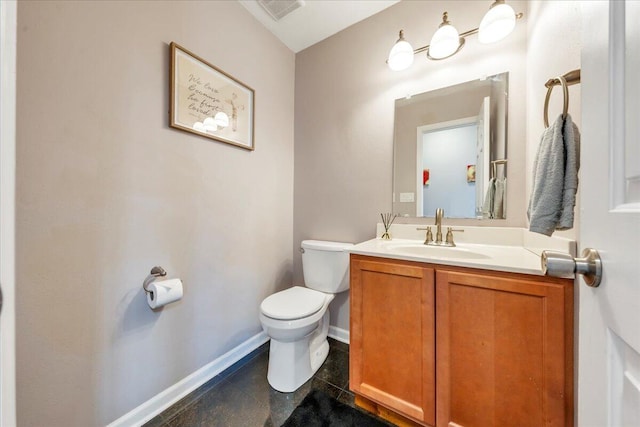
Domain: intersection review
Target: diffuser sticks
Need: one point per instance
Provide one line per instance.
(387, 220)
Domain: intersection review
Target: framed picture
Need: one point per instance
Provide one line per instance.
(208, 102)
(471, 173)
(425, 177)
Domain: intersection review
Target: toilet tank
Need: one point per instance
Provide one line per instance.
(325, 265)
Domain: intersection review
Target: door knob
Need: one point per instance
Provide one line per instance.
(558, 264)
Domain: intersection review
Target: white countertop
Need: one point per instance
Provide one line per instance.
(502, 258)
(511, 250)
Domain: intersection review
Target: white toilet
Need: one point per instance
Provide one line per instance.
(297, 319)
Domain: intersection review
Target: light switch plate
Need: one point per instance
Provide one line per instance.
(407, 197)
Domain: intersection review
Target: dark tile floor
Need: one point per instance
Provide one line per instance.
(241, 395)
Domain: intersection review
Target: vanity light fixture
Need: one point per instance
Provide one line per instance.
(496, 24)
(446, 41)
(401, 55)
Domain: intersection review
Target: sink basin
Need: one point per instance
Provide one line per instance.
(437, 252)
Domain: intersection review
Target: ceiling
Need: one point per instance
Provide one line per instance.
(316, 19)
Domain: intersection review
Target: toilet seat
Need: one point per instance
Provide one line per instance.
(293, 303)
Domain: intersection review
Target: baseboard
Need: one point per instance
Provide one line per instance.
(339, 334)
(168, 397)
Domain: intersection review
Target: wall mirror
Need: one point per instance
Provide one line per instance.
(450, 151)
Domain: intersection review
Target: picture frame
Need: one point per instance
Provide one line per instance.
(471, 173)
(206, 101)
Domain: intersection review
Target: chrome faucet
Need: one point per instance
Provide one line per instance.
(439, 215)
(438, 242)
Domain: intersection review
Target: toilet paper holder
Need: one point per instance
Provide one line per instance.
(153, 275)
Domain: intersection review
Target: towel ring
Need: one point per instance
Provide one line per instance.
(565, 108)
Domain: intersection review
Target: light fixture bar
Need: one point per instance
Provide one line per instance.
(462, 36)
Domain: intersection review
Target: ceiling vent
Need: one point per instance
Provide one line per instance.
(278, 9)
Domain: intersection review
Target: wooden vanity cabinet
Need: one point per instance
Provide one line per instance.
(504, 350)
(483, 348)
(392, 351)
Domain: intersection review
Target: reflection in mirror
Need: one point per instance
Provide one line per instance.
(450, 151)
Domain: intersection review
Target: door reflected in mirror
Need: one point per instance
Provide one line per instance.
(450, 151)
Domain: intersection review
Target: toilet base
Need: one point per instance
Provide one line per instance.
(319, 355)
(292, 364)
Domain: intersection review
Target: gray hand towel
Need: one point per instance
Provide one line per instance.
(487, 207)
(555, 178)
(571, 137)
(499, 198)
(504, 198)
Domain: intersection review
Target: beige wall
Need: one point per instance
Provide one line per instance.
(106, 190)
(345, 97)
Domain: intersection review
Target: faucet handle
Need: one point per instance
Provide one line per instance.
(429, 237)
(450, 231)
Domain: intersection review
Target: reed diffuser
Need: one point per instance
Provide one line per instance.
(387, 220)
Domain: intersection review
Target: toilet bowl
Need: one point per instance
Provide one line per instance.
(297, 319)
(298, 344)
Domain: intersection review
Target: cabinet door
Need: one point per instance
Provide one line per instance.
(392, 336)
(504, 351)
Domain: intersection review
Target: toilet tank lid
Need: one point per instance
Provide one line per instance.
(325, 246)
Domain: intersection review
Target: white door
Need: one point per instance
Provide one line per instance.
(8, 11)
(422, 135)
(609, 316)
(483, 152)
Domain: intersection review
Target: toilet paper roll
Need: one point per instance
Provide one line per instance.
(163, 292)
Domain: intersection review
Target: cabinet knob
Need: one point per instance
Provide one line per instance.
(558, 264)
